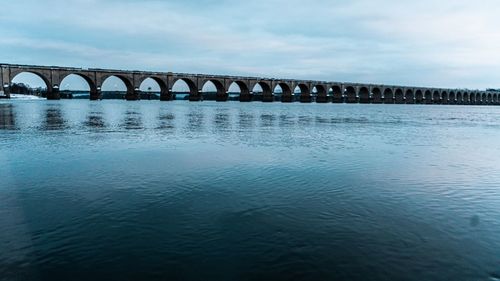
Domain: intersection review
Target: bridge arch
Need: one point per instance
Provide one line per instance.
(261, 90)
(428, 96)
(364, 95)
(86, 85)
(304, 92)
(459, 98)
(244, 91)
(337, 95)
(452, 99)
(377, 95)
(477, 98)
(43, 85)
(388, 95)
(409, 96)
(472, 98)
(350, 93)
(211, 87)
(156, 84)
(286, 92)
(489, 98)
(399, 96)
(444, 97)
(484, 99)
(321, 93)
(128, 87)
(419, 97)
(187, 86)
(436, 97)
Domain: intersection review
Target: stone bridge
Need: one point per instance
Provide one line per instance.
(309, 91)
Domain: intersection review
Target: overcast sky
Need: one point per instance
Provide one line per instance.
(425, 43)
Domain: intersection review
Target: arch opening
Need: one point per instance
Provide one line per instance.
(320, 94)
(153, 89)
(78, 86)
(337, 95)
(428, 97)
(419, 97)
(238, 91)
(364, 95)
(184, 89)
(410, 97)
(26, 84)
(472, 98)
(116, 87)
(284, 93)
(350, 94)
(399, 97)
(261, 91)
(459, 98)
(302, 90)
(436, 97)
(388, 96)
(444, 97)
(452, 98)
(466, 98)
(377, 96)
(214, 90)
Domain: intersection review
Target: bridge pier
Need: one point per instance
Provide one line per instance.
(6, 90)
(221, 97)
(96, 95)
(322, 99)
(351, 100)
(133, 95)
(246, 97)
(364, 100)
(267, 98)
(196, 97)
(286, 98)
(54, 94)
(166, 95)
(305, 98)
(389, 100)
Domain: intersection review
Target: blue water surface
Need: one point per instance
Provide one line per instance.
(150, 190)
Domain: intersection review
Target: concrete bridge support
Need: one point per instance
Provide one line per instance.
(351, 94)
(399, 97)
(377, 96)
(337, 94)
(388, 96)
(321, 93)
(409, 96)
(364, 95)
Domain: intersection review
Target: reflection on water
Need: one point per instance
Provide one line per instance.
(222, 120)
(195, 120)
(231, 191)
(95, 121)
(267, 120)
(7, 118)
(246, 120)
(166, 121)
(132, 120)
(54, 119)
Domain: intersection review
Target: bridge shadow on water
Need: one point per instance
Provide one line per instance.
(190, 118)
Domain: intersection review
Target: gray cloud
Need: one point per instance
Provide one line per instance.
(448, 44)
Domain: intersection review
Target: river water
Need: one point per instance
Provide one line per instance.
(150, 190)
